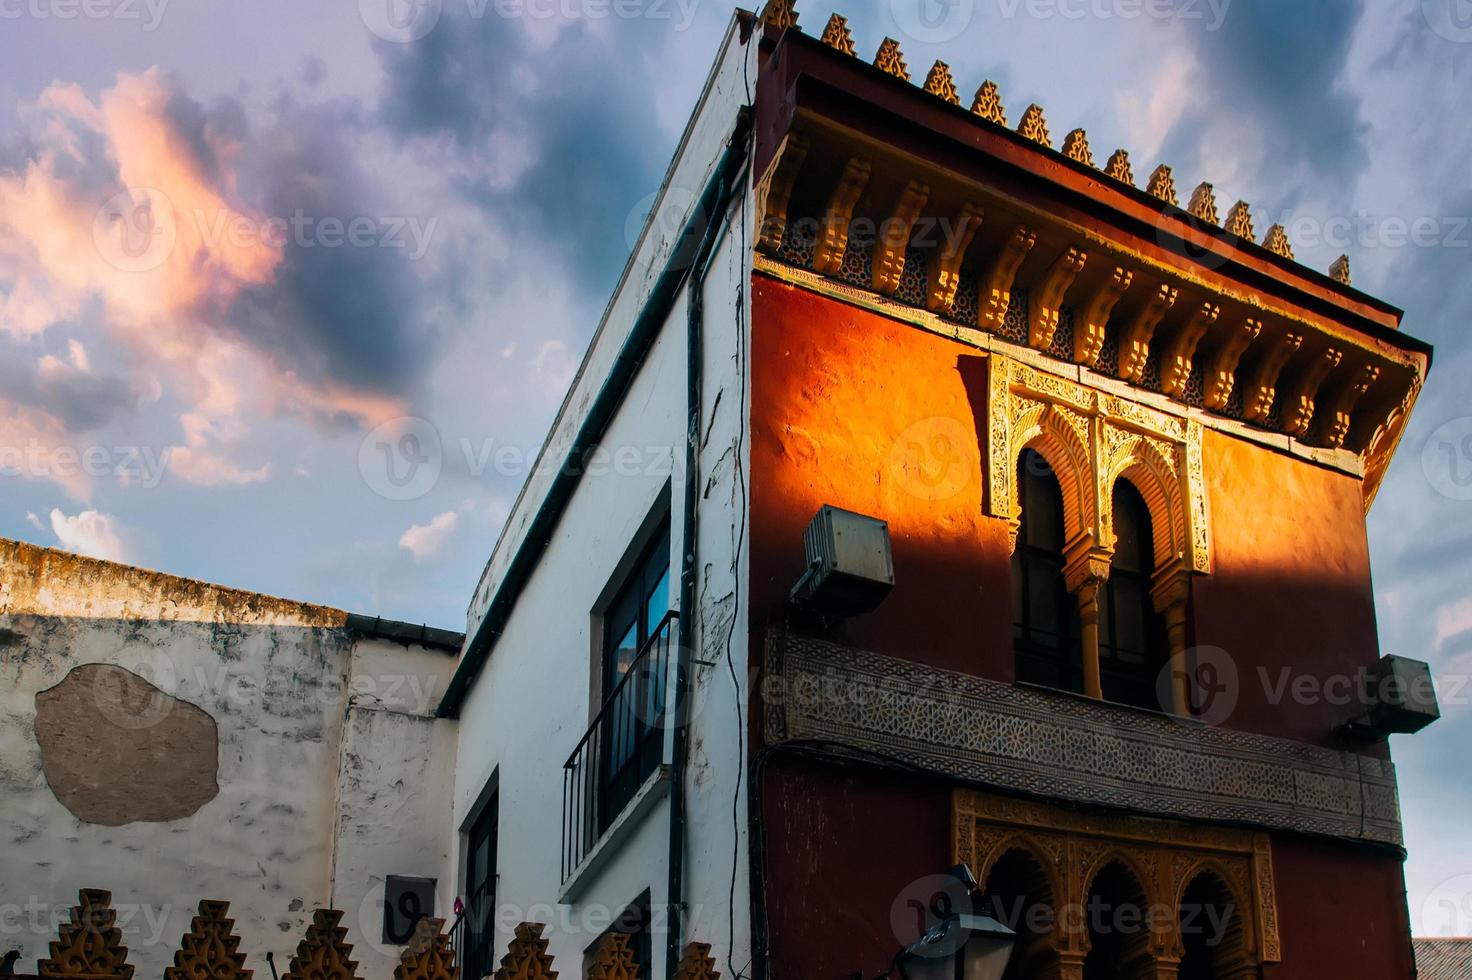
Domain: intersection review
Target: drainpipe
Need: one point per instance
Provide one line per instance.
(714, 203)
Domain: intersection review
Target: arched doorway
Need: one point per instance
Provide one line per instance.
(1020, 894)
(1212, 934)
(1116, 914)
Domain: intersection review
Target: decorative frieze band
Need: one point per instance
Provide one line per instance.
(1070, 749)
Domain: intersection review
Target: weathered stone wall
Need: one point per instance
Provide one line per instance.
(172, 740)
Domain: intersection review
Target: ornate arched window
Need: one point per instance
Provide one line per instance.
(1045, 620)
(1133, 648)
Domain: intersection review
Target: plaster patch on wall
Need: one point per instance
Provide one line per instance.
(116, 750)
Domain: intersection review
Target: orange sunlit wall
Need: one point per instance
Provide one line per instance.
(854, 409)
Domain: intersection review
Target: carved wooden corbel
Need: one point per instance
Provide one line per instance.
(1175, 365)
(1134, 340)
(832, 242)
(780, 14)
(1047, 301)
(890, 60)
(988, 103)
(1089, 326)
(1119, 168)
(945, 266)
(940, 83)
(1262, 383)
(1203, 204)
(777, 192)
(1034, 126)
(894, 238)
(1239, 222)
(1298, 404)
(1076, 147)
(994, 291)
(1162, 185)
(1341, 406)
(1277, 242)
(1221, 368)
(1339, 271)
(837, 35)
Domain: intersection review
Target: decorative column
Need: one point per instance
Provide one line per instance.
(1085, 571)
(1171, 590)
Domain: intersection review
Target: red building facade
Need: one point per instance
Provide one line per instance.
(1125, 454)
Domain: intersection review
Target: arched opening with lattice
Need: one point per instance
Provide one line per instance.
(1045, 616)
(1133, 646)
(1213, 933)
(1020, 894)
(1117, 915)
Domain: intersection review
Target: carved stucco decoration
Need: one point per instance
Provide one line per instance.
(940, 83)
(1091, 439)
(697, 964)
(613, 959)
(890, 60)
(1339, 271)
(324, 954)
(527, 957)
(988, 103)
(1276, 241)
(1239, 222)
(429, 955)
(89, 945)
(1119, 168)
(1162, 185)
(1076, 147)
(1072, 848)
(780, 14)
(838, 35)
(1034, 126)
(1069, 749)
(1203, 204)
(211, 949)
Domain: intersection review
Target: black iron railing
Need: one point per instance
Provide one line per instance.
(623, 747)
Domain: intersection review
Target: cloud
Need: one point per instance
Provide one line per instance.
(89, 533)
(423, 541)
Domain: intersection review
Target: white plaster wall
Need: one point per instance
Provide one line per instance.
(532, 702)
(294, 701)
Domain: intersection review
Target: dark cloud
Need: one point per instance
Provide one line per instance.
(80, 401)
(335, 311)
(1281, 64)
(580, 109)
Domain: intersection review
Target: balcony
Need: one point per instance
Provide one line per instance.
(624, 758)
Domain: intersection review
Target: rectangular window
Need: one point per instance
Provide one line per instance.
(480, 891)
(635, 674)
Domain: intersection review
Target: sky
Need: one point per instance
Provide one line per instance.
(395, 224)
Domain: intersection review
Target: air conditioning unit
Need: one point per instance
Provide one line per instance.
(850, 563)
(1402, 699)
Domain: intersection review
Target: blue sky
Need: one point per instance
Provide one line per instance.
(377, 228)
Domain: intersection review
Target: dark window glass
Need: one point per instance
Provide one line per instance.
(480, 889)
(1045, 626)
(1132, 643)
(635, 661)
